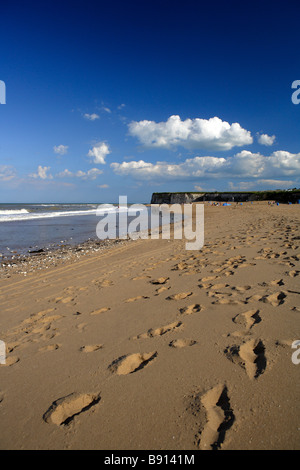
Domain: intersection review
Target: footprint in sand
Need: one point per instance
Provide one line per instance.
(219, 418)
(182, 343)
(161, 289)
(277, 282)
(81, 327)
(241, 288)
(50, 319)
(64, 300)
(36, 316)
(103, 283)
(180, 266)
(228, 273)
(225, 299)
(125, 365)
(159, 331)
(247, 319)
(208, 278)
(274, 299)
(181, 296)
(293, 273)
(63, 411)
(194, 308)
(139, 297)
(138, 278)
(219, 286)
(295, 309)
(11, 360)
(91, 348)
(100, 310)
(160, 280)
(250, 356)
(50, 347)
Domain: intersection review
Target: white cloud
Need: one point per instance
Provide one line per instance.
(65, 173)
(60, 149)
(266, 139)
(99, 152)
(192, 133)
(86, 175)
(244, 164)
(103, 186)
(90, 174)
(42, 172)
(7, 173)
(190, 168)
(91, 117)
(107, 110)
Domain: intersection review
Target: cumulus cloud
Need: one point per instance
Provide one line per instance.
(42, 173)
(7, 173)
(266, 139)
(243, 164)
(193, 167)
(99, 152)
(65, 173)
(196, 133)
(86, 175)
(91, 117)
(60, 149)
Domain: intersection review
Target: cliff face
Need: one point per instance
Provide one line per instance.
(185, 198)
(175, 198)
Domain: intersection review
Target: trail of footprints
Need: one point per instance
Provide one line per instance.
(215, 402)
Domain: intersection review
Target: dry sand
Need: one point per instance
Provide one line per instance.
(150, 346)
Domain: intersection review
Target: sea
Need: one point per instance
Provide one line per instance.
(26, 228)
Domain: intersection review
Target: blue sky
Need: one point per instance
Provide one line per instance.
(129, 97)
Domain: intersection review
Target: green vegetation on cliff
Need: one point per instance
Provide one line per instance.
(283, 196)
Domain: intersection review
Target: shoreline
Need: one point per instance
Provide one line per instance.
(46, 257)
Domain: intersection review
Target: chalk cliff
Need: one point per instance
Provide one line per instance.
(292, 196)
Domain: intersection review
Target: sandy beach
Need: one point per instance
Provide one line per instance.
(145, 345)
